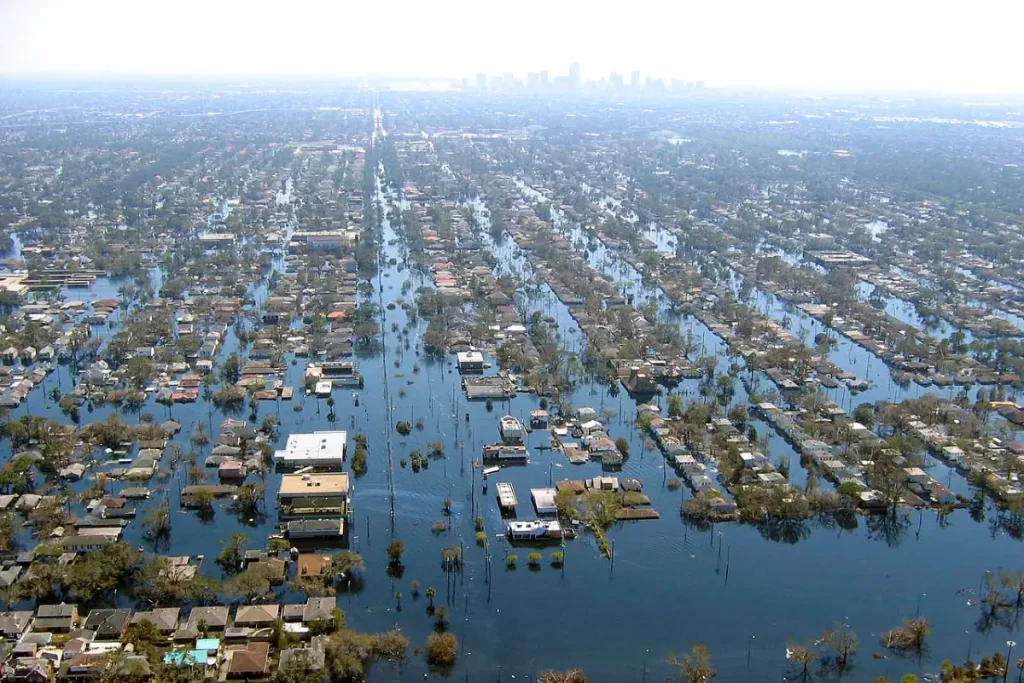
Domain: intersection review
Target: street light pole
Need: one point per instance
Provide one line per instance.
(1009, 651)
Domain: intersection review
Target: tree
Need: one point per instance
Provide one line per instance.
(568, 676)
(139, 371)
(347, 563)
(910, 637)
(144, 637)
(49, 515)
(202, 499)
(395, 550)
(251, 585)
(8, 535)
(864, 414)
(675, 405)
(101, 571)
(119, 667)
(359, 465)
(230, 557)
(842, 640)
(803, 656)
(695, 667)
(300, 669)
(623, 445)
(348, 652)
(230, 371)
(249, 499)
(442, 649)
(431, 593)
(157, 522)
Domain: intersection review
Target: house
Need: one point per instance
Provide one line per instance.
(771, 479)
(313, 496)
(250, 662)
(315, 528)
(954, 454)
(309, 658)
(544, 501)
(323, 450)
(310, 564)
(60, 618)
(28, 670)
(14, 624)
(256, 615)
(479, 388)
(916, 475)
(231, 470)
(215, 617)
(318, 610)
(470, 361)
(686, 464)
(87, 540)
(165, 619)
(943, 496)
(108, 624)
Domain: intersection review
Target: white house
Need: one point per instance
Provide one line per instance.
(323, 450)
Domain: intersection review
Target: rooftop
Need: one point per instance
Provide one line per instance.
(313, 448)
(320, 484)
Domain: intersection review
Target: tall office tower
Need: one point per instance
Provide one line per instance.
(634, 80)
(481, 81)
(574, 74)
(544, 78)
(616, 80)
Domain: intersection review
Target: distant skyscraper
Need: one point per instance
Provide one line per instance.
(574, 74)
(634, 80)
(544, 78)
(481, 81)
(532, 80)
(615, 80)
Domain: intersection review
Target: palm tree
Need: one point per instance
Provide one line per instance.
(431, 592)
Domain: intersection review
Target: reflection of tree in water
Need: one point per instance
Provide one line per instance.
(1009, 521)
(1008, 620)
(890, 527)
(1003, 601)
(842, 519)
(785, 530)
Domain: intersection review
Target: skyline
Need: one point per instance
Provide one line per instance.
(738, 44)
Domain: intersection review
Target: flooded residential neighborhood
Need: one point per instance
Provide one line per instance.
(324, 382)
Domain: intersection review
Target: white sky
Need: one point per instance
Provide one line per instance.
(967, 46)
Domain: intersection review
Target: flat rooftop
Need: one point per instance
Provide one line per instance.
(322, 484)
(313, 447)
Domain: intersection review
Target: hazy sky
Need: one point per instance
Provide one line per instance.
(938, 45)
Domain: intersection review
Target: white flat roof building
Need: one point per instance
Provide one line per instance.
(544, 501)
(470, 360)
(319, 449)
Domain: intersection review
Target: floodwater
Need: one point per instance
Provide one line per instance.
(670, 584)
